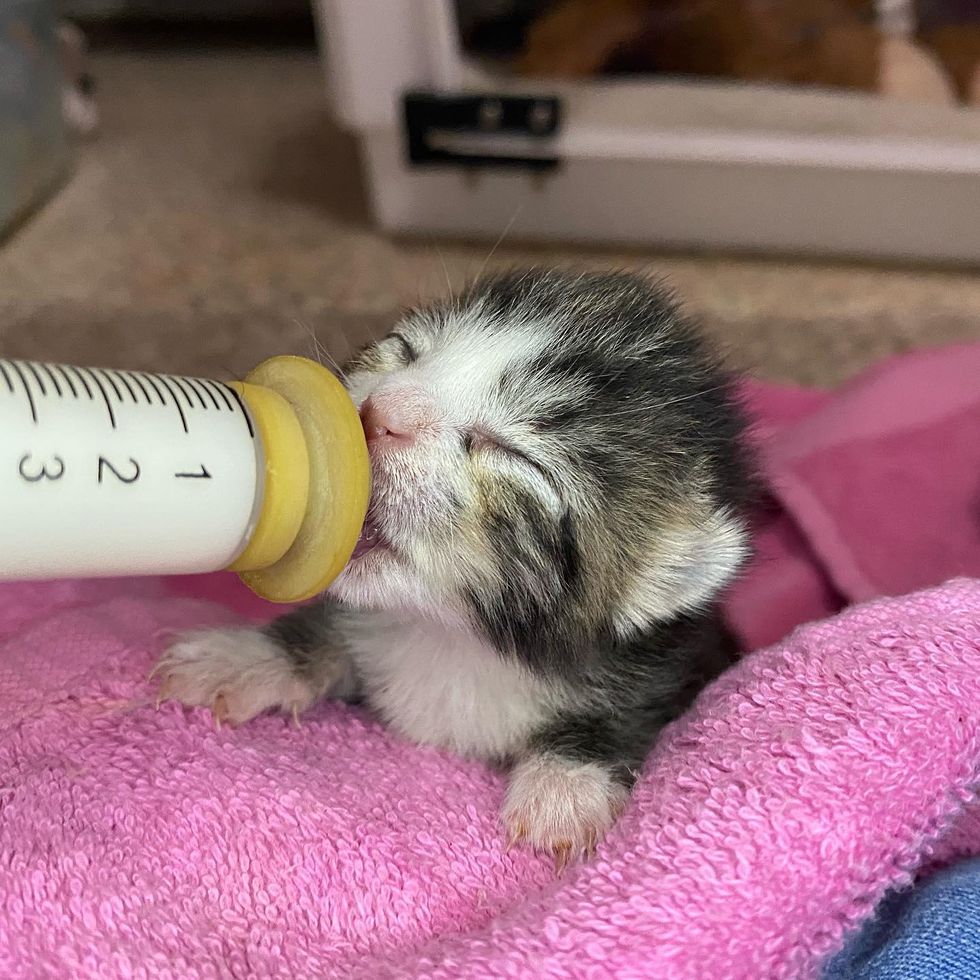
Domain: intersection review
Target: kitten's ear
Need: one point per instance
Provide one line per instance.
(687, 563)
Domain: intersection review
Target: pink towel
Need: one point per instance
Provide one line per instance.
(767, 823)
(769, 820)
(875, 490)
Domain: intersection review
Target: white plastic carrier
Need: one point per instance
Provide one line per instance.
(643, 162)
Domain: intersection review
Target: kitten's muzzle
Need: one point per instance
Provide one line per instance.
(394, 417)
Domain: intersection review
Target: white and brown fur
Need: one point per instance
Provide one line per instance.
(558, 498)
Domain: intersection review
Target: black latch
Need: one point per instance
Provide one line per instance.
(482, 130)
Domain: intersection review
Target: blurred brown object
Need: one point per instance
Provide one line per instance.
(957, 48)
(808, 42)
(576, 38)
(828, 43)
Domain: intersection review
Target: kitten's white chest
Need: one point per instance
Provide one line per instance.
(444, 687)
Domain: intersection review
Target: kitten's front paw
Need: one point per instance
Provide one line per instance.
(561, 807)
(237, 673)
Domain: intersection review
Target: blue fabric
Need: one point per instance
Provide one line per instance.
(929, 932)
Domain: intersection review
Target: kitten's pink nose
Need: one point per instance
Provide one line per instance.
(395, 416)
(377, 425)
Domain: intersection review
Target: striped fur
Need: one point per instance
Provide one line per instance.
(552, 540)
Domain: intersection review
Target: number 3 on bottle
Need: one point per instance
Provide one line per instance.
(34, 472)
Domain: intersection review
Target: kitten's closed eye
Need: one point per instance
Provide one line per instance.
(406, 351)
(476, 442)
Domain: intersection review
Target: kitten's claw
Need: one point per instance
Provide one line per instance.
(562, 851)
(296, 722)
(561, 808)
(516, 835)
(237, 673)
(219, 710)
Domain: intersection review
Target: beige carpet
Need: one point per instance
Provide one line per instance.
(219, 218)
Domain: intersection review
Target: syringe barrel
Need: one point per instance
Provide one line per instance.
(106, 472)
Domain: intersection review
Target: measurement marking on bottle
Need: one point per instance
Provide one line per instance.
(105, 396)
(139, 384)
(221, 391)
(68, 380)
(78, 374)
(126, 384)
(41, 472)
(149, 378)
(173, 394)
(54, 380)
(37, 377)
(202, 475)
(199, 386)
(105, 374)
(180, 388)
(39, 381)
(27, 389)
(180, 383)
(241, 405)
(193, 387)
(104, 464)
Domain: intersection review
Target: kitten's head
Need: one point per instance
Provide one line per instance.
(555, 462)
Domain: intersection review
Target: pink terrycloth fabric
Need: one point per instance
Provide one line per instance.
(768, 821)
(144, 843)
(875, 490)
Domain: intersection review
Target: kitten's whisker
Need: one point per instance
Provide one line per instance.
(319, 351)
(445, 269)
(694, 394)
(348, 348)
(499, 241)
(313, 338)
(654, 405)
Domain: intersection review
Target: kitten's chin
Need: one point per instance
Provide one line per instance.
(372, 578)
(379, 581)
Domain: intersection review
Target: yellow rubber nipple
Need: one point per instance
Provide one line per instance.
(316, 484)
